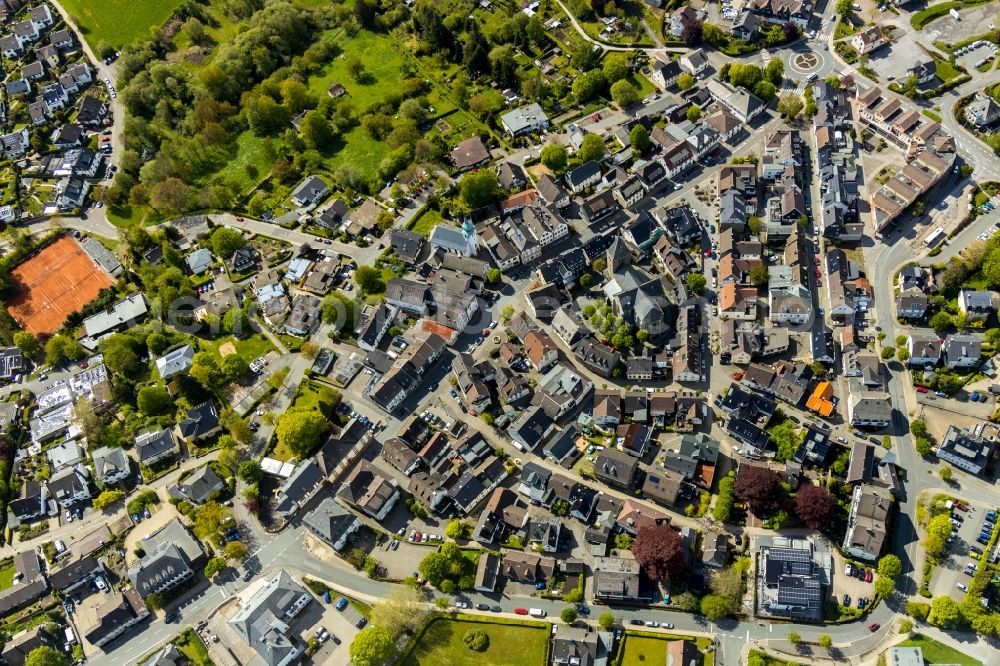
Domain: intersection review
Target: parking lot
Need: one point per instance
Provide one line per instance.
(952, 572)
(975, 21)
(975, 54)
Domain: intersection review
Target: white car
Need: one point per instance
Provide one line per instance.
(101, 584)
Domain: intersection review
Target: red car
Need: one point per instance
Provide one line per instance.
(921, 389)
(738, 376)
(873, 627)
(868, 575)
(521, 611)
(239, 219)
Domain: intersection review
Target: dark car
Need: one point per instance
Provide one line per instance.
(333, 637)
(482, 607)
(874, 626)
(583, 609)
(172, 617)
(496, 609)
(637, 623)
(360, 624)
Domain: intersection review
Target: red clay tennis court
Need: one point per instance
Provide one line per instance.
(53, 283)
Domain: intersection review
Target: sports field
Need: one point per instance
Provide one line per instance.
(53, 283)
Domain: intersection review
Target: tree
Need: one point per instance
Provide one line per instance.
(923, 446)
(170, 195)
(369, 279)
(775, 71)
(786, 438)
(457, 529)
(589, 85)
(225, 241)
(606, 620)
(624, 93)
(154, 600)
(372, 646)
(759, 276)
(554, 157)
(825, 641)
(694, 113)
(46, 656)
(494, 275)
(154, 401)
(208, 519)
(917, 610)
(692, 33)
(903, 354)
(813, 505)
(889, 569)
(685, 81)
(658, 550)
(794, 638)
(696, 282)
(301, 432)
(791, 105)
(639, 139)
(887, 353)
(403, 610)
(26, 342)
(568, 615)
(316, 130)
(905, 626)
(945, 613)
(940, 322)
(714, 607)
(507, 313)
(759, 487)
(946, 473)
(61, 348)
(108, 498)
(723, 509)
(938, 531)
(250, 471)
(476, 640)
(615, 67)
(215, 566)
(591, 148)
(480, 188)
(844, 7)
(235, 550)
(765, 90)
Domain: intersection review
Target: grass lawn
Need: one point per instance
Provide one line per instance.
(119, 22)
(6, 577)
(644, 649)
(423, 224)
(947, 71)
(932, 115)
(250, 348)
(844, 29)
(510, 645)
(939, 653)
(193, 648)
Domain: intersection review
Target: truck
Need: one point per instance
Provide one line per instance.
(536, 612)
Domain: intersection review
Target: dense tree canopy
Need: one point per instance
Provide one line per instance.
(813, 505)
(759, 487)
(658, 550)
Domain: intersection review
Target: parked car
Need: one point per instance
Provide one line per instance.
(482, 607)
(341, 604)
(874, 626)
(520, 611)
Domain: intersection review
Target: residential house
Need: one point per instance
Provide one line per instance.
(332, 523)
(615, 468)
(976, 305)
(866, 522)
(198, 487)
(263, 618)
(155, 446)
(524, 120)
(370, 491)
(115, 614)
(960, 351)
(967, 450)
(310, 192)
(617, 579)
(470, 154)
(175, 362)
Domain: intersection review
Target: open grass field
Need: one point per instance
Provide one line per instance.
(510, 645)
(119, 22)
(939, 653)
(54, 283)
(423, 224)
(250, 348)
